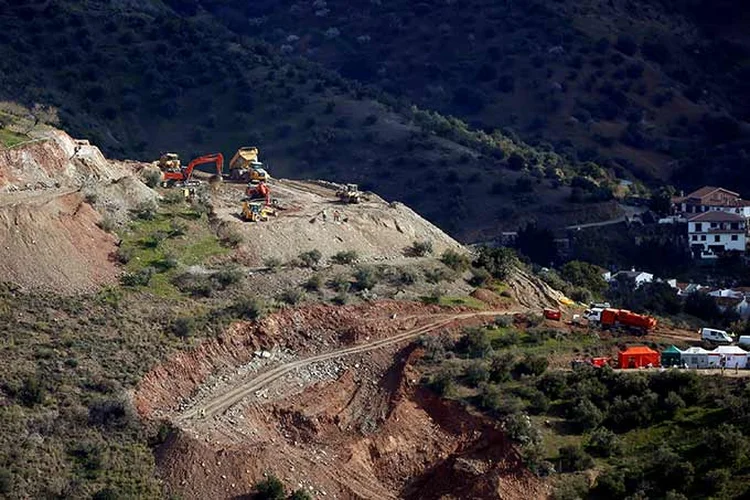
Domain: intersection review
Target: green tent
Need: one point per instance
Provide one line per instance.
(671, 356)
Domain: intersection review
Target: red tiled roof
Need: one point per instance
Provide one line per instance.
(716, 216)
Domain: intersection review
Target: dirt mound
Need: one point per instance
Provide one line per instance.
(313, 219)
(53, 190)
(353, 425)
(532, 292)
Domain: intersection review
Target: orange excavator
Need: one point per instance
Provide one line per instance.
(256, 191)
(185, 175)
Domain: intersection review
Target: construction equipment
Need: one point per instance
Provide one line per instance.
(612, 318)
(184, 175)
(553, 314)
(245, 167)
(169, 162)
(258, 190)
(349, 194)
(255, 211)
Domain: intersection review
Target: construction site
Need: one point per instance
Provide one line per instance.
(331, 399)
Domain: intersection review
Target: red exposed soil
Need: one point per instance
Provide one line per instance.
(371, 431)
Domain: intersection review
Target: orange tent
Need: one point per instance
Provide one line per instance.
(637, 357)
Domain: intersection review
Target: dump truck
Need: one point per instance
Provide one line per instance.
(245, 167)
(613, 318)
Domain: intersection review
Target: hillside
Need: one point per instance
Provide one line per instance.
(138, 80)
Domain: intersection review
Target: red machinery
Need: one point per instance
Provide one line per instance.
(623, 317)
(258, 191)
(553, 314)
(185, 174)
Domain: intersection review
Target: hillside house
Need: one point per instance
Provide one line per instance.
(711, 199)
(637, 277)
(713, 233)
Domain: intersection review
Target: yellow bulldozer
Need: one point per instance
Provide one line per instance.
(255, 211)
(349, 194)
(245, 167)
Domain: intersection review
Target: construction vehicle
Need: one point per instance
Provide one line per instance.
(349, 194)
(169, 162)
(184, 175)
(245, 167)
(613, 318)
(255, 211)
(258, 190)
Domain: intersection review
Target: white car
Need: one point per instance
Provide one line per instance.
(715, 336)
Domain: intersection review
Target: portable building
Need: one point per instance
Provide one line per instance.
(735, 357)
(695, 357)
(671, 356)
(637, 357)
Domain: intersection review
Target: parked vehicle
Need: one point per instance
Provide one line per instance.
(744, 340)
(553, 314)
(715, 336)
(611, 318)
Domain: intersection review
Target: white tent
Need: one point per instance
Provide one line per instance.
(695, 357)
(735, 356)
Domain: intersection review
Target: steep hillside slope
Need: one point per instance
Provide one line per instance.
(52, 236)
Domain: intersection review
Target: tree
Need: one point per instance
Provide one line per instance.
(703, 306)
(475, 343)
(499, 262)
(584, 275)
(538, 244)
(603, 443)
(585, 415)
(573, 459)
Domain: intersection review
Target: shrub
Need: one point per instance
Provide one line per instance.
(197, 285)
(499, 262)
(6, 481)
(107, 224)
(476, 373)
(436, 275)
(456, 261)
(346, 257)
(270, 488)
(530, 365)
(32, 391)
(145, 210)
(313, 284)
(152, 178)
(113, 413)
(228, 276)
(479, 277)
(124, 255)
(272, 263)
(183, 326)
(602, 442)
(406, 277)
(300, 495)
(419, 248)
(574, 459)
(475, 343)
(138, 278)
(310, 258)
(248, 307)
(366, 278)
(230, 238)
(444, 381)
(520, 428)
(340, 299)
(339, 283)
(585, 415)
(292, 296)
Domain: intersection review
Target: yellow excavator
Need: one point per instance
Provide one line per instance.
(169, 162)
(349, 194)
(245, 167)
(256, 211)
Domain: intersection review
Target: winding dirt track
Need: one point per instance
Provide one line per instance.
(219, 403)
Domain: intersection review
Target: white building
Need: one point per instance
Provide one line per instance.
(715, 232)
(638, 277)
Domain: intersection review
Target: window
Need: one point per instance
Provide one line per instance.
(698, 227)
(703, 237)
(717, 238)
(735, 225)
(695, 237)
(713, 224)
(735, 237)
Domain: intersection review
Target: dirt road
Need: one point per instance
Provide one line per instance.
(219, 403)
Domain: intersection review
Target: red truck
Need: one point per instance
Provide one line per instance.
(553, 314)
(628, 319)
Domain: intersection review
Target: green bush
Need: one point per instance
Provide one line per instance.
(6, 480)
(346, 257)
(272, 263)
(138, 278)
(574, 459)
(444, 381)
(152, 178)
(110, 413)
(310, 258)
(366, 278)
(476, 373)
(270, 488)
(530, 365)
(107, 224)
(230, 238)
(32, 391)
(300, 495)
(339, 283)
(419, 248)
(499, 262)
(585, 415)
(313, 283)
(183, 326)
(292, 296)
(480, 277)
(124, 255)
(246, 307)
(145, 210)
(455, 260)
(437, 275)
(602, 442)
(474, 343)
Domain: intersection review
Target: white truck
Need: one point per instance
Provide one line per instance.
(715, 336)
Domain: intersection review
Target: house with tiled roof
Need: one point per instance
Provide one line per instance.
(714, 233)
(710, 198)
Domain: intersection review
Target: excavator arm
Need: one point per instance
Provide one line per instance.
(186, 173)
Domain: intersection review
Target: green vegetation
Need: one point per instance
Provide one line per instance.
(649, 434)
(346, 257)
(9, 138)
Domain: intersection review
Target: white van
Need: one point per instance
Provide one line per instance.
(744, 340)
(594, 314)
(715, 336)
